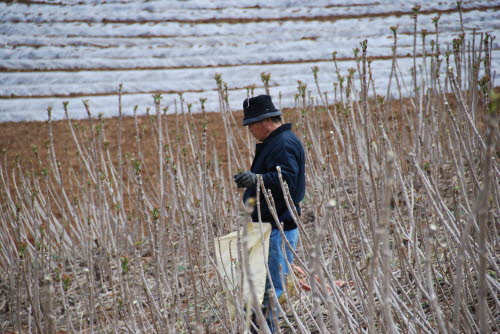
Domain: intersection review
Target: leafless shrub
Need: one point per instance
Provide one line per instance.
(404, 204)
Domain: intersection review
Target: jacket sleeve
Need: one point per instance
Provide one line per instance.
(286, 159)
(249, 192)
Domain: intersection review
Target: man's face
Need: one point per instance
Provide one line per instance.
(259, 129)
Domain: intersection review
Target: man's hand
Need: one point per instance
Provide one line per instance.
(245, 180)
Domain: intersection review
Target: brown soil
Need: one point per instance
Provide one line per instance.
(17, 139)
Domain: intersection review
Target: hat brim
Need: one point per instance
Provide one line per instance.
(261, 117)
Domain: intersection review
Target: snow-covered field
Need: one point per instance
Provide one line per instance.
(54, 51)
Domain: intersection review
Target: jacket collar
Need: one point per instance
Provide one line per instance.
(277, 131)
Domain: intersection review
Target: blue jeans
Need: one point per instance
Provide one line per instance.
(276, 262)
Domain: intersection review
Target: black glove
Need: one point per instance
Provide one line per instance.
(245, 180)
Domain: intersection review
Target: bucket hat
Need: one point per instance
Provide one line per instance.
(258, 108)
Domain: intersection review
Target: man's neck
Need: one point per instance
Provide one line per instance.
(273, 126)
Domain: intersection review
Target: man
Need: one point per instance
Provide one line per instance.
(278, 146)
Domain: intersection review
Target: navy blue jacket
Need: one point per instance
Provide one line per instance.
(281, 148)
